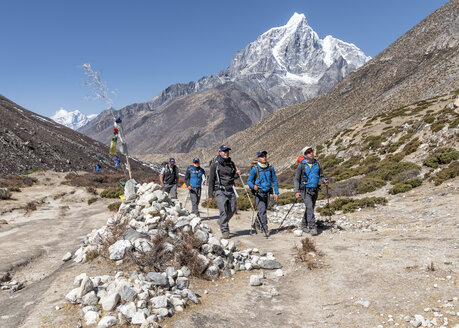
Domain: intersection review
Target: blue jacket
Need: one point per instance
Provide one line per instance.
(193, 176)
(309, 176)
(265, 179)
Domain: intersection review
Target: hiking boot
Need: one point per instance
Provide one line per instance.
(226, 235)
(305, 229)
(314, 232)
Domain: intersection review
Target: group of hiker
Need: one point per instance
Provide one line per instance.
(262, 181)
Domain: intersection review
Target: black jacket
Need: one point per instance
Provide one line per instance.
(226, 174)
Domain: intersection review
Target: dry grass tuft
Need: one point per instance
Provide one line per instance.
(431, 267)
(308, 254)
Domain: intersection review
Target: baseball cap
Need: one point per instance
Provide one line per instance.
(261, 153)
(224, 148)
(172, 160)
(196, 160)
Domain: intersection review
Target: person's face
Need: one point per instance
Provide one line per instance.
(196, 164)
(224, 154)
(263, 159)
(171, 165)
(310, 155)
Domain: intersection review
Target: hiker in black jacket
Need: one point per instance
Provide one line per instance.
(223, 173)
(169, 178)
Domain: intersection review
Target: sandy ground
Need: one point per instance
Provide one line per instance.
(387, 267)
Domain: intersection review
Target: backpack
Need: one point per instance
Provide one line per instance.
(214, 161)
(164, 165)
(307, 176)
(254, 164)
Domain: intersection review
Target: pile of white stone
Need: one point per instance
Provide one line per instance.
(147, 216)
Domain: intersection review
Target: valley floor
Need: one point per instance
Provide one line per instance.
(368, 278)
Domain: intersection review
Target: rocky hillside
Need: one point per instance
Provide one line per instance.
(421, 64)
(284, 66)
(397, 150)
(29, 141)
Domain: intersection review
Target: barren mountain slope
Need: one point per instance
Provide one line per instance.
(30, 141)
(423, 63)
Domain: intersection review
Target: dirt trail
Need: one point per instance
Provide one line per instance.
(34, 243)
(387, 268)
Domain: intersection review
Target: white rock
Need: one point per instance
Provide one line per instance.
(364, 303)
(67, 257)
(90, 298)
(91, 317)
(279, 273)
(118, 249)
(72, 295)
(128, 309)
(110, 301)
(255, 280)
(138, 318)
(78, 279)
(159, 301)
(107, 321)
(85, 287)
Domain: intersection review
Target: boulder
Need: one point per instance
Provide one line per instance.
(182, 282)
(269, 263)
(85, 287)
(157, 278)
(129, 189)
(91, 317)
(255, 280)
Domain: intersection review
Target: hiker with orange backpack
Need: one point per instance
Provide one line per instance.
(307, 177)
(263, 182)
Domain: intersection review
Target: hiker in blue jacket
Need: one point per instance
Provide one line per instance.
(307, 177)
(193, 180)
(262, 180)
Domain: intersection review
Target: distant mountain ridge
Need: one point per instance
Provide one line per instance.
(73, 120)
(283, 66)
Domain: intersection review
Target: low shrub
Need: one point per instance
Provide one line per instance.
(350, 205)
(112, 193)
(212, 204)
(14, 189)
(92, 200)
(441, 156)
(405, 186)
(373, 142)
(369, 185)
(440, 124)
(399, 188)
(286, 186)
(114, 207)
(286, 198)
(454, 124)
(448, 173)
(429, 119)
(411, 146)
(403, 176)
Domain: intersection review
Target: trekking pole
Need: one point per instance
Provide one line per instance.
(253, 208)
(328, 203)
(186, 199)
(291, 207)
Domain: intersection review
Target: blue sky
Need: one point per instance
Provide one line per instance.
(143, 46)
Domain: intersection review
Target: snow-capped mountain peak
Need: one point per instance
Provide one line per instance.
(73, 120)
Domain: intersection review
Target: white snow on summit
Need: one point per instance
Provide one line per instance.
(73, 120)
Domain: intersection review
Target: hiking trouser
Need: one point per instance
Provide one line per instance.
(171, 190)
(226, 201)
(309, 196)
(262, 204)
(195, 197)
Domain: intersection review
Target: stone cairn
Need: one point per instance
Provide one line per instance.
(153, 230)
